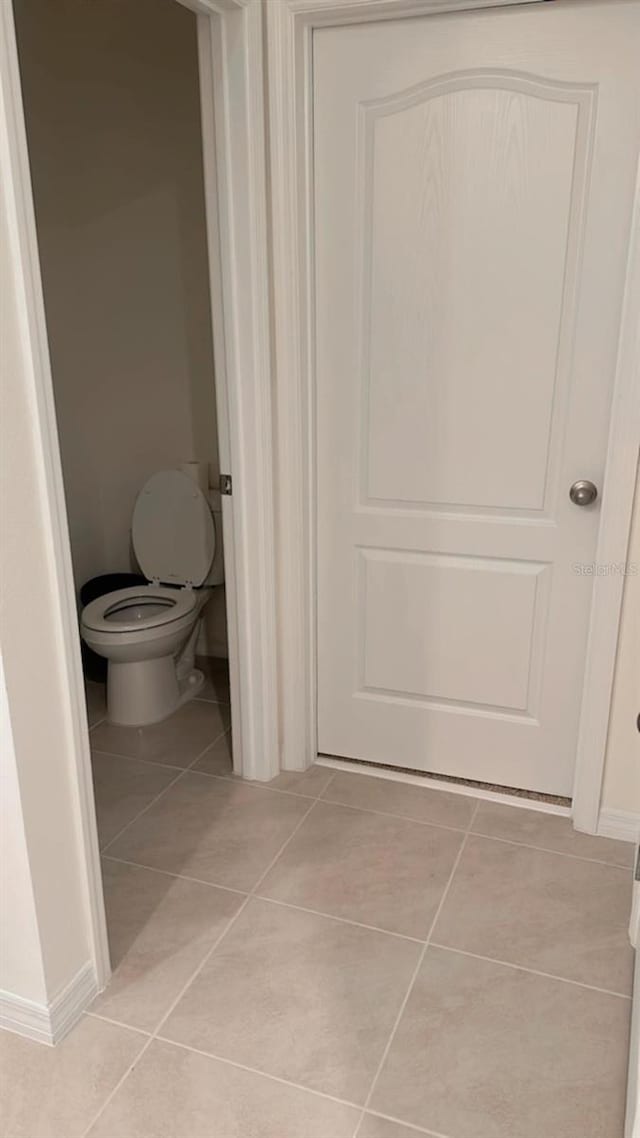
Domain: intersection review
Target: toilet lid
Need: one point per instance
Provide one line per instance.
(172, 530)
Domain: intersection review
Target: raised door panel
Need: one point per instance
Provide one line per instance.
(453, 630)
(468, 186)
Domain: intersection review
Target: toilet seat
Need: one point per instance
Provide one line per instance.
(108, 614)
(172, 530)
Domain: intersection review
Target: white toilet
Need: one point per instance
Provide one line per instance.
(148, 633)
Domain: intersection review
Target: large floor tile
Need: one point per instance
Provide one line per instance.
(175, 1093)
(303, 997)
(55, 1092)
(417, 802)
(96, 701)
(487, 1051)
(122, 788)
(549, 832)
(372, 868)
(160, 928)
(176, 742)
(215, 829)
(541, 910)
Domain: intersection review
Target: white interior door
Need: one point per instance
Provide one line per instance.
(474, 178)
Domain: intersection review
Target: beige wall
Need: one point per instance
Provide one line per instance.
(622, 775)
(113, 120)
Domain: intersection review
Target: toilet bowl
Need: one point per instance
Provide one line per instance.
(147, 633)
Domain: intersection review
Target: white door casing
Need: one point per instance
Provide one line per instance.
(230, 52)
(291, 28)
(474, 181)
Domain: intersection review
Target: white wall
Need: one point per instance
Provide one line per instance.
(41, 780)
(113, 120)
(622, 774)
(21, 968)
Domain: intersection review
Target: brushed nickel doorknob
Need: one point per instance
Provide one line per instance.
(583, 492)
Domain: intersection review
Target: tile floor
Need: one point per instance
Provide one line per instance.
(330, 955)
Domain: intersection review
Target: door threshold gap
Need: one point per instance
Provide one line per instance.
(492, 792)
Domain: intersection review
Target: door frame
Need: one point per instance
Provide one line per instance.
(290, 27)
(230, 50)
(233, 114)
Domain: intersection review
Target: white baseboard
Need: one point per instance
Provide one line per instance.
(620, 824)
(49, 1023)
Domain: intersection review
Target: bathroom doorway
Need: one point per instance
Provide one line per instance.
(138, 252)
(113, 123)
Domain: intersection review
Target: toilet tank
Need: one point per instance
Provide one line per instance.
(216, 572)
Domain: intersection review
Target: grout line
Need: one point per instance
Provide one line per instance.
(545, 849)
(208, 747)
(261, 1074)
(137, 759)
(334, 802)
(342, 920)
(472, 833)
(130, 1068)
(357, 924)
(415, 973)
(143, 811)
(117, 1023)
(255, 893)
(390, 814)
(174, 876)
(187, 877)
(181, 771)
(156, 762)
(197, 970)
(330, 783)
(533, 971)
(153, 1035)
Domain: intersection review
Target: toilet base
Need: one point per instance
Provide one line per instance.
(142, 692)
